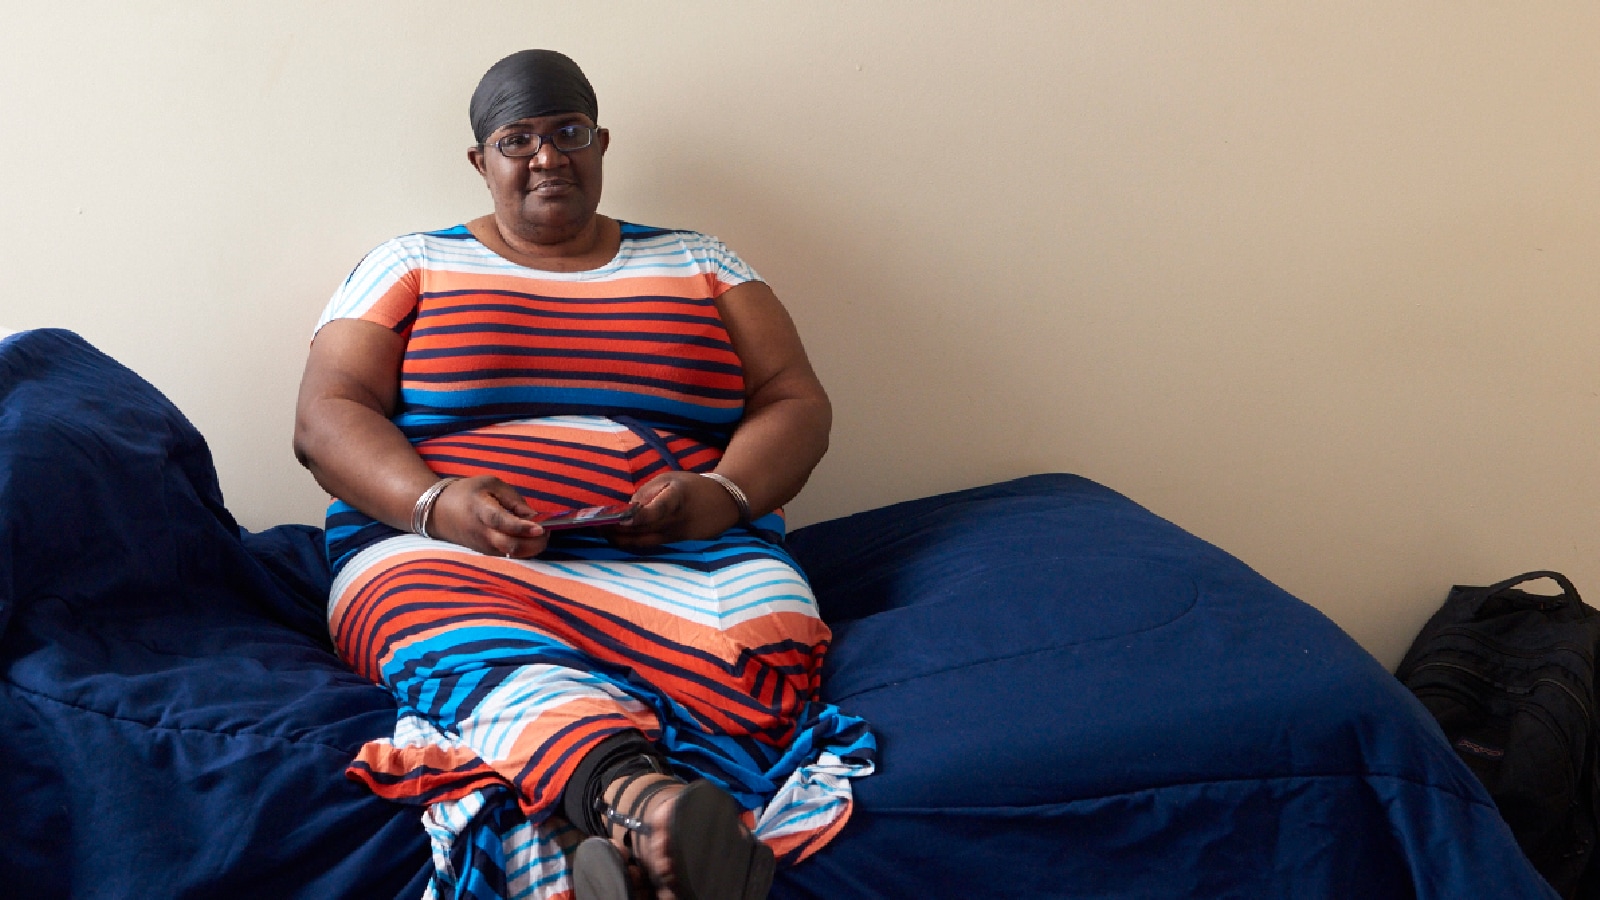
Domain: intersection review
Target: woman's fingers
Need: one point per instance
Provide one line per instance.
(655, 500)
(658, 505)
(507, 520)
(659, 502)
(493, 514)
(676, 506)
(651, 520)
(488, 515)
(520, 548)
(509, 498)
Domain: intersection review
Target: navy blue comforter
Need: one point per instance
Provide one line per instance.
(174, 722)
(1073, 697)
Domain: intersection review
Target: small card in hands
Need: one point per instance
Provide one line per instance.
(587, 517)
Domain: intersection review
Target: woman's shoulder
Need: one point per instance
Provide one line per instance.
(425, 243)
(703, 251)
(442, 248)
(633, 231)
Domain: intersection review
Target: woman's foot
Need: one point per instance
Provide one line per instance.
(688, 839)
(647, 845)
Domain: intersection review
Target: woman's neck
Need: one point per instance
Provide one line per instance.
(592, 246)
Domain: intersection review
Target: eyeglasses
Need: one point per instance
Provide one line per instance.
(567, 139)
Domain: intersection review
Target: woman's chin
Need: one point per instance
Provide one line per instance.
(550, 222)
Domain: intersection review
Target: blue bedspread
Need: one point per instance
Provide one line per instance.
(1073, 697)
(1076, 698)
(173, 723)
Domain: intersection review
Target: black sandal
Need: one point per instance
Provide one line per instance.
(714, 856)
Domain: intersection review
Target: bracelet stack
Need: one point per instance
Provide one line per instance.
(733, 490)
(424, 507)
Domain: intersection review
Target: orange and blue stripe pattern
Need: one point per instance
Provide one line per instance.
(508, 671)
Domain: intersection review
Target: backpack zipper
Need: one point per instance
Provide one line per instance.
(1574, 770)
(1536, 682)
(1577, 650)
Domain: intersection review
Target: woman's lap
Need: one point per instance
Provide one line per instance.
(509, 671)
(530, 663)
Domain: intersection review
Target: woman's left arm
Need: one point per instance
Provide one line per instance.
(779, 441)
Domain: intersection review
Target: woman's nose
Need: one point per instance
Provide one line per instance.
(548, 156)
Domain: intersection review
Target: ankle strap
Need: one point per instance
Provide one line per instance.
(633, 821)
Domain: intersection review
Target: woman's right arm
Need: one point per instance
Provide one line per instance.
(344, 436)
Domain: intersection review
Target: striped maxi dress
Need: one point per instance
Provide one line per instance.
(576, 388)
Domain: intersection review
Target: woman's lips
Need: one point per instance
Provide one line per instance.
(553, 186)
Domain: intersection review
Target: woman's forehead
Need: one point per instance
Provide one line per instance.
(539, 123)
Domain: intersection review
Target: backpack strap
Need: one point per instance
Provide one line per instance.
(1567, 588)
(1499, 598)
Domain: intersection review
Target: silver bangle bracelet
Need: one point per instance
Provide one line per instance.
(739, 499)
(424, 506)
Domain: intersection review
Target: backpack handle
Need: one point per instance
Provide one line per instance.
(1470, 607)
(1567, 588)
(1569, 593)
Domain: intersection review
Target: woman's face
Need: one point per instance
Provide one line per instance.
(550, 196)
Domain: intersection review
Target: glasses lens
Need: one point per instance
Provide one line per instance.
(572, 137)
(518, 143)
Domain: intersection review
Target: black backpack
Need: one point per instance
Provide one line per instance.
(1510, 677)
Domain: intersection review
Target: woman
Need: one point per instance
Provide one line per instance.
(651, 686)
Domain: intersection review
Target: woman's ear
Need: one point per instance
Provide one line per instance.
(475, 156)
(604, 135)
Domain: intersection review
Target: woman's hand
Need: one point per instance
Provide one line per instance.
(487, 515)
(676, 506)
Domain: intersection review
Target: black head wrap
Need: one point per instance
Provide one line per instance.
(526, 84)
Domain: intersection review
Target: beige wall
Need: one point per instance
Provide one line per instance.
(1318, 280)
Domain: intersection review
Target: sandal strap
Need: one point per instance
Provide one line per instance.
(636, 812)
(632, 821)
(636, 817)
(609, 812)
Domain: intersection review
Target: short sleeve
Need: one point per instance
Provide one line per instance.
(723, 267)
(382, 288)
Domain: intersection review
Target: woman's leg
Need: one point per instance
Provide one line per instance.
(622, 755)
(456, 638)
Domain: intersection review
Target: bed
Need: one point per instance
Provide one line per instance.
(1072, 696)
